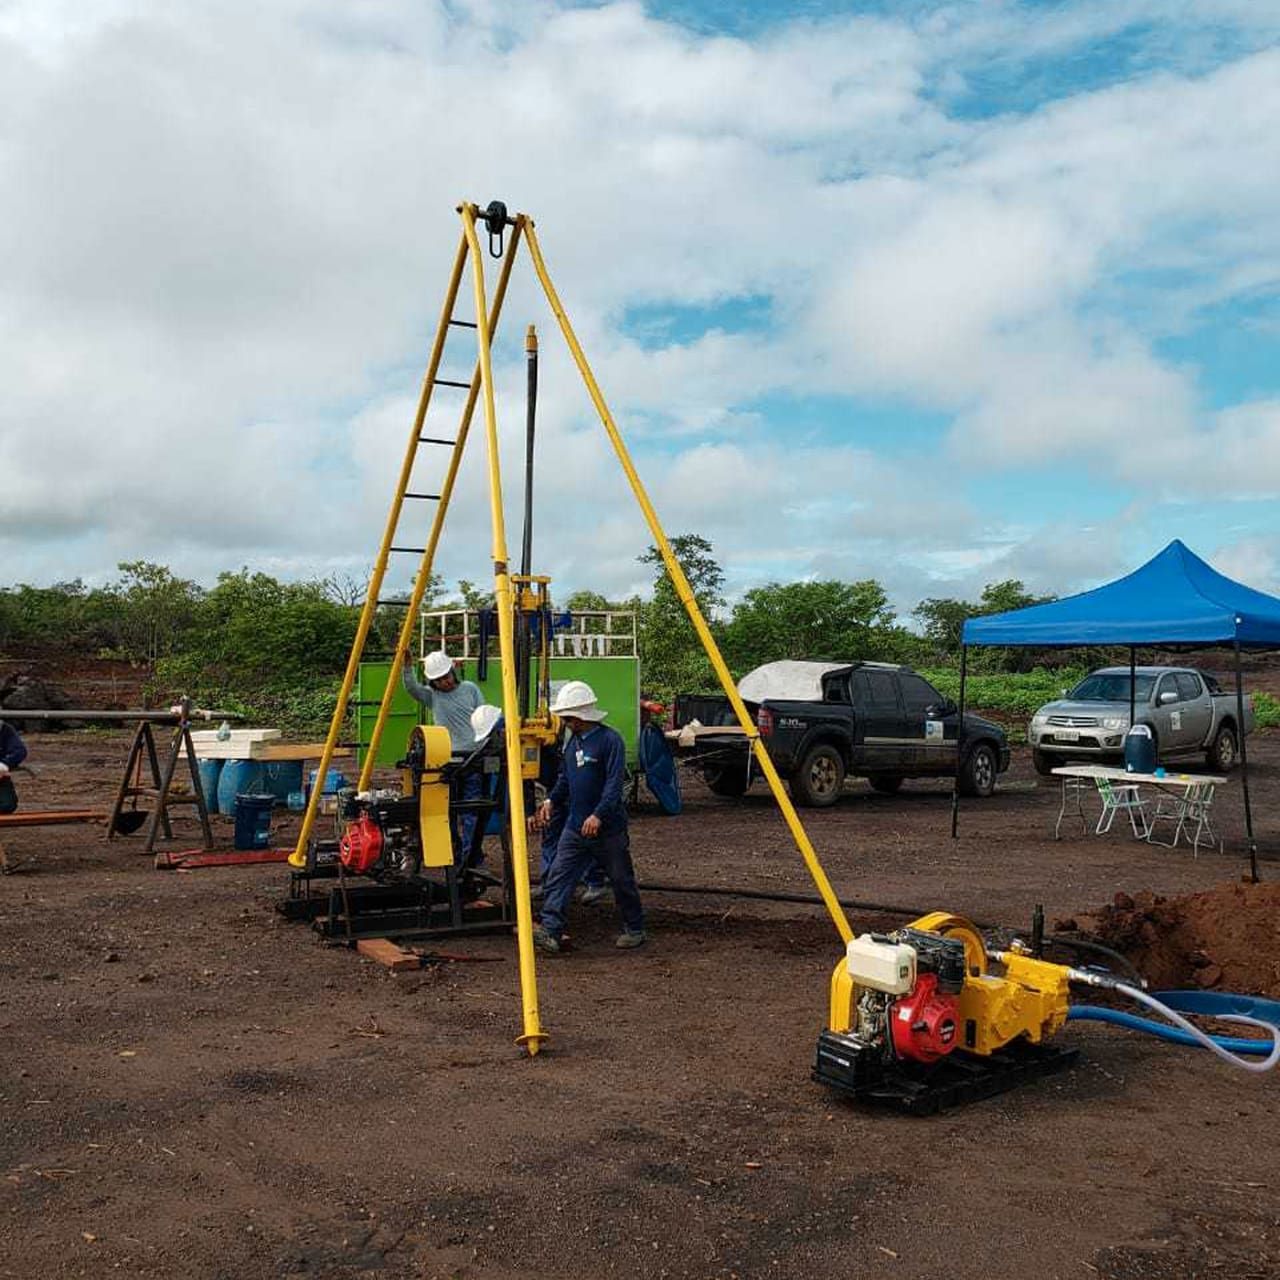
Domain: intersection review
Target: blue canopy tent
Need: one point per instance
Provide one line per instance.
(1174, 599)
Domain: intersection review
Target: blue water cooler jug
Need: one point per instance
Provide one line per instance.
(1140, 750)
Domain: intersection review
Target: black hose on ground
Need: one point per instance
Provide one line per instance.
(807, 899)
(1081, 944)
(891, 908)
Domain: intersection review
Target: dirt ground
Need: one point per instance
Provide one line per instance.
(193, 1088)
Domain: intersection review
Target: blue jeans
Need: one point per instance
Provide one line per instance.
(573, 855)
(463, 825)
(593, 874)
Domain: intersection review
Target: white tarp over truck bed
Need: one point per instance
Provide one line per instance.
(788, 681)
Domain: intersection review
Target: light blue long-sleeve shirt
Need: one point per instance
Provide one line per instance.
(451, 709)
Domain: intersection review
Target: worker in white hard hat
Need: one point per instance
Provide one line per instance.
(594, 886)
(590, 792)
(451, 702)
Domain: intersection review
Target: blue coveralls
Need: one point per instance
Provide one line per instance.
(551, 766)
(591, 782)
(13, 751)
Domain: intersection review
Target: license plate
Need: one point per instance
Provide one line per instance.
(1067, 735)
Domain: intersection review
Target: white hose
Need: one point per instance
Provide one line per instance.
(1209, 1043)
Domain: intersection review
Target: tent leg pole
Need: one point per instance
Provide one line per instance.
(1133, 681)
(1244, 769)
(955, 782)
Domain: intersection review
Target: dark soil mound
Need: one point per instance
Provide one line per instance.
(1226, 938)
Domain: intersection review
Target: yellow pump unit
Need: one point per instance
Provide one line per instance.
(924, 1017)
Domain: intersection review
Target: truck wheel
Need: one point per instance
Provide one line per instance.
(1045, 765)
(978, 775)
(729, 780)
(820, 778)
(886, 783)
(1222, 756)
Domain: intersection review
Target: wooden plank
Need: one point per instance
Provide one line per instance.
(190, 858)
(385, 952)
(295, 751)
(50, 817)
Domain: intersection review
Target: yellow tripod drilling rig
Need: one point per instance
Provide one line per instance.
(901, 1004)
(513, 593)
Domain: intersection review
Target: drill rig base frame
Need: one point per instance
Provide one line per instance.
(921, 1090)
(414, 912)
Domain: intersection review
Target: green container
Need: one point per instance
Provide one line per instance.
(405, 712)
(616, 682)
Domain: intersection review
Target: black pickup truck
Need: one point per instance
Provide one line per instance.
(874, 720)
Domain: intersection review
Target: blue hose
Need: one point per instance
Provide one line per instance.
(1211, 1004)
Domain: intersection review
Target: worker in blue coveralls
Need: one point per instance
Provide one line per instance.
(589, 793)
(594, 883)
(13, 751)
(451, 702)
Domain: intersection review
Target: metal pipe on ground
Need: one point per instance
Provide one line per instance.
(807, 899)
(151, 717)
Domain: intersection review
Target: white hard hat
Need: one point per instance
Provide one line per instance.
(576, 698)
(483, 720)
(437, 665)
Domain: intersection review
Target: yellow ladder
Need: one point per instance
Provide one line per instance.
(497, 222)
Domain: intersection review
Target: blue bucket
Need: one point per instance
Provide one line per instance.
(239, 777)
(210, 771)
(253, 821)
(334, 781)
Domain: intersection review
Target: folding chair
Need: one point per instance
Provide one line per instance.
(1123, 798)
(1193, 806)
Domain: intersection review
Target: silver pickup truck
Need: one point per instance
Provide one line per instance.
(1186, 711)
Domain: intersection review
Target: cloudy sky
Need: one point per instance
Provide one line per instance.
(938, 293)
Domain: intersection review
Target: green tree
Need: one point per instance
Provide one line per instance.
(943, 620)
(817, 620)
(157, 609)
(672, 659)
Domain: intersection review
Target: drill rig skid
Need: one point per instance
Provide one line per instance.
(412, 910)
(921, 1089)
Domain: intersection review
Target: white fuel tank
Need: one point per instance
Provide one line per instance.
(881, 965)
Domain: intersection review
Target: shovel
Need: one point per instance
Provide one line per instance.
(130, 821)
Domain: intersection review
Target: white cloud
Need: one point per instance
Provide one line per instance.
(224, 232)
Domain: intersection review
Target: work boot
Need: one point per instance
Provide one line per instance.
(546, 941)
(593, 893)
(629, 940)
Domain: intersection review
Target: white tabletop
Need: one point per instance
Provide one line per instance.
(1123, 775)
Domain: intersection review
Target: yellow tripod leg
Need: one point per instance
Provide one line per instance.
(685, 593)
(437, 527)
(533, 1035)
(298, 858)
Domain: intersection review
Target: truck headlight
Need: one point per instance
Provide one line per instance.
(1114, 722)
(1039, 719)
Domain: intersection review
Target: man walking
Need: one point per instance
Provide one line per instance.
(451, 702)
(13, 751)
(589, 793)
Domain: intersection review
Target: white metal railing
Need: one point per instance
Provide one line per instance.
(592, 633)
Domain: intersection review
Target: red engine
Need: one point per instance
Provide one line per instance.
(361, 845)
(923, 1023)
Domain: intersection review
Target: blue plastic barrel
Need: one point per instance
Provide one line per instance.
(1139, 750)
(239, 777)
(281, 777)
(253, 821)
(210, 771)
